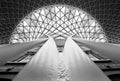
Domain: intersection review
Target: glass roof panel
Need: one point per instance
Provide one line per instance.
(58, 20)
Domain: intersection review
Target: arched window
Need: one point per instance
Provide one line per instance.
(60, 21)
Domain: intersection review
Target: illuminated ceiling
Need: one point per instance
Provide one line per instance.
(106, 12)
(58, 21)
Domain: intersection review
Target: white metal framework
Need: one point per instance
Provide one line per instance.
(60, 21)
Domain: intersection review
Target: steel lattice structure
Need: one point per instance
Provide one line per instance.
(60, 21)
(106, 12)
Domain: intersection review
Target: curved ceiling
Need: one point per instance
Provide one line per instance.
(106, 12)
(58, 21)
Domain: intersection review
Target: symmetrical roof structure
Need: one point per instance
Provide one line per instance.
(58, 21)
(106, 12)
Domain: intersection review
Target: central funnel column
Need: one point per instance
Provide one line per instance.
(80, 66)
(43, 66)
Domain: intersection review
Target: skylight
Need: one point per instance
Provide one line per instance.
(60, 21)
